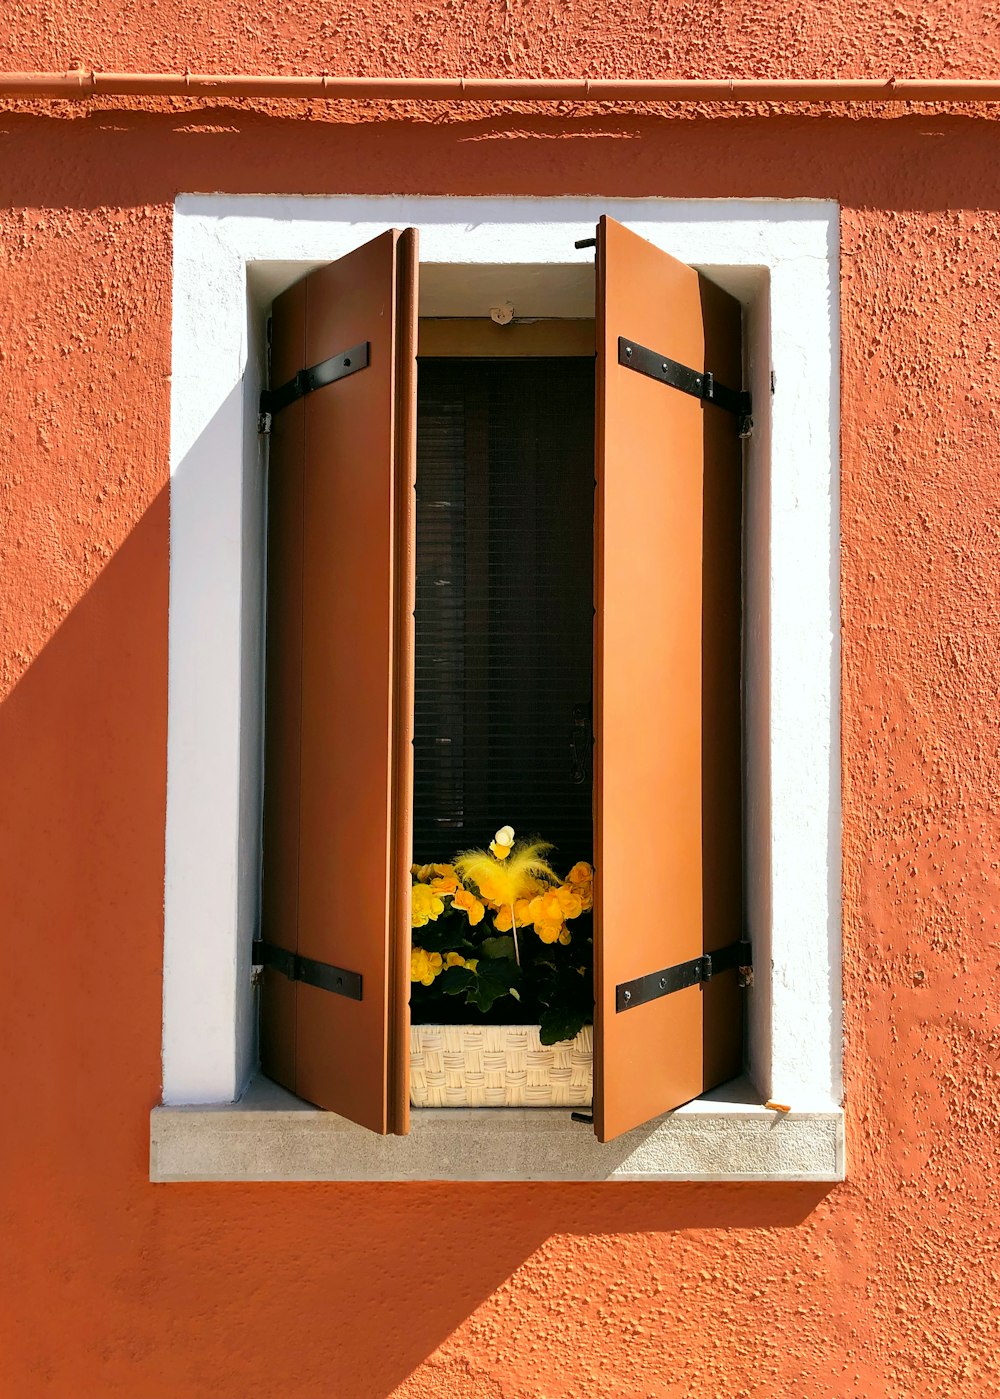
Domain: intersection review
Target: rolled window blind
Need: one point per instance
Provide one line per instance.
(504, 603)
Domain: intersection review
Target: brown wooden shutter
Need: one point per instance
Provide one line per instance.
(668, 816)
(338, 717)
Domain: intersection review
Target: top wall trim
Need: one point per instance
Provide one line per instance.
(83, 84)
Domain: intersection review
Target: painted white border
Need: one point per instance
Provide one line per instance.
(230, 254)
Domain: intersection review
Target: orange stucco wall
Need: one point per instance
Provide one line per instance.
(884, 1286)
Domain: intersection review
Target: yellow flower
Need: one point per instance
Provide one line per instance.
(455, 959)
(445, 880)
(425, 966)
(425, 906)
(421, 873)
(569, 901)
(545, 908)
(464, 900)
(565, 937)
(547, 912)
(522, 912)
(502, 921)
(581, 880)
(580, 874)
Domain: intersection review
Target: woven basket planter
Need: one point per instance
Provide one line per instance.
(498, 1066)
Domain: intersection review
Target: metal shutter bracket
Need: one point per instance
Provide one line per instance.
(698, 970)
(307, 969)
(318, 376)
(679, 376)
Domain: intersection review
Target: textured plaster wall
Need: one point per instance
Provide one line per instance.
(884, 1286)
(683, 38)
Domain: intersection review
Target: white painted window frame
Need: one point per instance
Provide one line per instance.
(231, 255)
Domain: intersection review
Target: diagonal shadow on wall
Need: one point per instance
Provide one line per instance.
(158, 1271)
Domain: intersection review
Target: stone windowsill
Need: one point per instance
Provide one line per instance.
(272, 1135)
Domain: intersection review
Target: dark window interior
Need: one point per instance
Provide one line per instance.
(504, 604)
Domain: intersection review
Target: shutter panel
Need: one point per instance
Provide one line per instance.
(338, 726)
(668, 791)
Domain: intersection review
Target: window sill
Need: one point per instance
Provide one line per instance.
(272, 1135)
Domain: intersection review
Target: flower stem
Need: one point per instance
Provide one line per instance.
(513, 929)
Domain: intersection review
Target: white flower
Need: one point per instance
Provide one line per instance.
(504, 836)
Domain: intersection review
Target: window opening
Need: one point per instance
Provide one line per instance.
(504, 627)
(504, 603)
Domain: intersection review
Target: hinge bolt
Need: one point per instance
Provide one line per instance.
(627, 996)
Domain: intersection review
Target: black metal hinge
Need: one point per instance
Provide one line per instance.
(679, 376)
(307, 969)
(699, 969)
(317, 377)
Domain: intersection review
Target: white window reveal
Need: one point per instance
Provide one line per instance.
(779, 261)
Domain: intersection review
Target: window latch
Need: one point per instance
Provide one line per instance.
(581, 744)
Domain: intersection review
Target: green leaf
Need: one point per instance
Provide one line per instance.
(455, 981)
(499, 971)
(484, 994)
(494, 979)
(446, 935)
(547, 983)
(502, 946)
(560, 1024)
